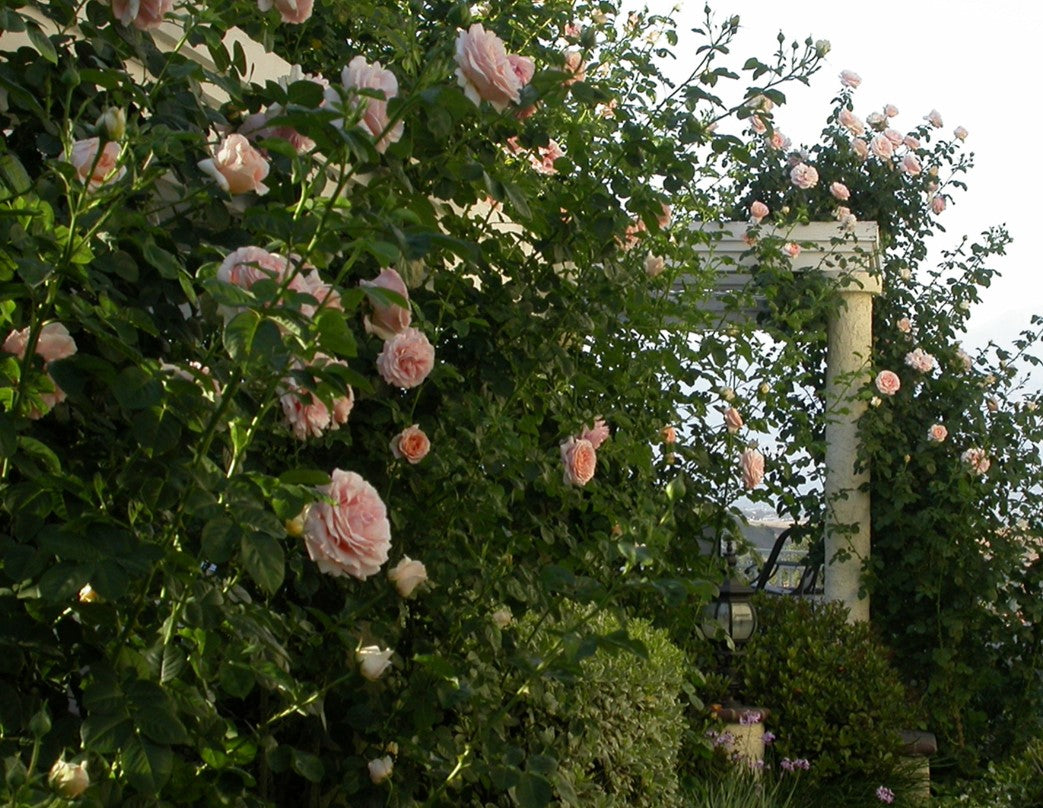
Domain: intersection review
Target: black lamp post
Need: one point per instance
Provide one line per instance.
(732, 610)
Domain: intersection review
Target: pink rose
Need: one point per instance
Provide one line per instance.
(390, 319)
(839, 191)
(882, 147)
(53, 343)
(911, 142)
(804, 176)
(410, 444)
(905, 325)
(934, 118)
(92, 168)
(290, 11)
(524, 68)
(779, 141)
(918, 359)
(306, 414)
(543, 160)
(361, 75)
(351, 535)
(890, 110)
(937, 433)
(407, 575)
(574, 68)
(894, 136)
(373, 662)
(959, 133)
(911, 164)
(484, 70)
(938, 204)
(752, 463)
(668, 434)
(757, 122)
(597, 434)
(237, 166)
(733, 420)
(380, 769)
(407, 358)
(580, 460)
(247, 265)
(860, 147)
(666, 214)
(845, 217)
(976, 460)
(851, 122)
(791, 249)
(758, 210)
(850, 78)
(654, 265)
(887, 382)
(142, 14)
(876, 121)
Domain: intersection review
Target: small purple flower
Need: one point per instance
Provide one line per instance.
(724, 739)
(802, 763)
(769, 738)
(886, 795)
(750, 718)
(786, 765)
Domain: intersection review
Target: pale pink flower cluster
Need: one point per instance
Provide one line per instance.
(918, 359)
(752, 463)
(887, 382)
(804, 176)
(247, 265)
(845, 218)
(579, 454)
(53, 343)
(307, 414)
(976, 460)
(237, 166)
(347, 532)
(485, 70)
(361, 75)
(93, 168)
(142, 14)
(411, 444)
(293, 12)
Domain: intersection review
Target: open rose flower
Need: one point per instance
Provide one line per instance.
(860, 148)
(937, 433)
(849, 78)
(791, 249)
(388, 319)
(142, 14)
(881, 147)
(839, 191)
(407, 359)
(410, 444)
(575, 68)
(237, 166)
(959, 133)
(938, 204)
(293, 12)
(887, 382)
(596, 434)
(486, 72)
(905, 325)
(976, 461)
(52, 344)
(350, 535)
(758, 210)
(93, 168)
(804, 176)
(306, 414)
(580, 461)
(407, 575)
(361, 75)
(654, 265)
(668, 434)
(373, 661)
(752, 463)
(911, 164)
(68, 779)
(256, 126)
(248, 265)
(919, 359)
(380, 769)
(851, 122)
(934, 118)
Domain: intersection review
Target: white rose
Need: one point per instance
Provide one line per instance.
(407, 575)
(373, 662)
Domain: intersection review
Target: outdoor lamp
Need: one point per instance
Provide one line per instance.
(732, 610)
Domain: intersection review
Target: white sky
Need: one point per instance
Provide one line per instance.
(977, 64)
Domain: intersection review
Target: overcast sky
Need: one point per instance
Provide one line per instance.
(977, 64)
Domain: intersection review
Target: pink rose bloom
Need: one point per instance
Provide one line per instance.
(959, 133)
(306, 415)
(887, 382)
(918, 359)
(905, 325)
(976, 460)
(351, 535)
(543, 160)
(882, 147)
(524, 68)
(791, 249)
(757, 122)
(95, 174)
(391, 319)
(839, 191)
(890, 110)
(758, 210)
(894, 136)
(407, 575)
(851, 122)
(654, 265)
(845, 217)
(860, 147)
(580, 459)
(361, 75)
(733, 420)
(407, 358)
(934, 118)
(779, 141)
(142, 14)
(937, 433)
(574, 67)
(596, 434)
(247, 265)
(938, 204)
(410, 444)
(876, 121)
(666, 214)
(911, 142)
(911, 164)
(752, 462)
(669, 434)
(484, 70)
(237, 166)
(804, 176)
(53, 343)
(849, 78)
(290, 11)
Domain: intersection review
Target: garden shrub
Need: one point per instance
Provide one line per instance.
(616, 719)
(834, 696)
(1016, 782)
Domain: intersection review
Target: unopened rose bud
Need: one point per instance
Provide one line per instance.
(380, 769)
(407, 575)
(392, 748)
(68, 779)
(727, 393)
(295, 527)
(88, 595)
(822, 47)
(764, 388)
(875, 401)
(502, 618)
(113, 122)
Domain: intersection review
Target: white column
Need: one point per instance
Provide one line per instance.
(850, 333)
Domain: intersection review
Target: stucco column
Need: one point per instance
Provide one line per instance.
(850, 332)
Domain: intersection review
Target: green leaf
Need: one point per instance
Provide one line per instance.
(64, 580)
(165, 263)
(154, 713)
(239, 334)
(219, 538)
(307, 766)
(42, 43)
(533, 791)
(264, 560)
(304, 477)
(236, 680)
(135, 389)
(146, 765)
(334, 335)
